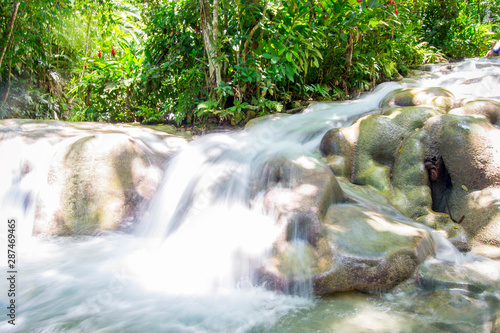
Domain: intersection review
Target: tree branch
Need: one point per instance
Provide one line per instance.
(15, 7)
(252, 32)
(8, 86)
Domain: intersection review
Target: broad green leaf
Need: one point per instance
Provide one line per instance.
(110, 86)
(289, 72)
(315, 62)
(281, 48)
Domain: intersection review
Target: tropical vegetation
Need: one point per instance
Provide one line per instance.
(204, 61)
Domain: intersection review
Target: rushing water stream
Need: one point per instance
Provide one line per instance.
(187, 265)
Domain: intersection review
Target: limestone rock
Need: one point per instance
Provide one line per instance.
(496, 323)
(434, 96)
(370, 251)
(340, 146)
(471, 153)
(380, 141)
(271, 117)
(437, 168)
(298, 192)
(329, 240)
(483, 108)
(84, 177)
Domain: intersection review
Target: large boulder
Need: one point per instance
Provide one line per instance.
(434, 96)
(328, 242)
(380, 141)
(339, 146)
(298, 193)
(370, 251)
(482, 108)
(80, 178)
(440, 168)
(470, 150)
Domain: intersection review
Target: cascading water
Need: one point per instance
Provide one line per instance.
(213, 207)
(190, 263)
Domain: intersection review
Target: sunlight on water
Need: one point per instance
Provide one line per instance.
(473, 78)
(88, 284)
(23, 178)
(209, 252)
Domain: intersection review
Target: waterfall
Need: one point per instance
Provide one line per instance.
(217, 169)
(206, 198)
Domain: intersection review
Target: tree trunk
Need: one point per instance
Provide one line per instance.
(8, 86)
(209, 29)
(350, 51)
(15, 7)
(215, 30)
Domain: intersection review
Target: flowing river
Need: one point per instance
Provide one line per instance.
(188, 264)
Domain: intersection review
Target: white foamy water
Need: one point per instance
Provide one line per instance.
(472, 78)
(188, 266)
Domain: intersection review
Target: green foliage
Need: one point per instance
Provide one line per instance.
(458, 28)
(24, 101)
(174, 75)
(269, 54)
(149, 115)
(111, 85)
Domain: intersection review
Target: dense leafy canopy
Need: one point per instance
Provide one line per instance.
(217, 60)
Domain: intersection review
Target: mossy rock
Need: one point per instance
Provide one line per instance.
(270, 117)
(298, 192)
(432, 96)
(89, 176)
(470, 151)
(339, 145)
(103, 181)
(488, 109)
(357, 249)
(388, 152)
(371, 252)
(381, 140)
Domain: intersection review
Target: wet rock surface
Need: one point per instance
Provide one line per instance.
(434, 157)
(330, 242)
(84, 177)
(371, 252)
(434, 96)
